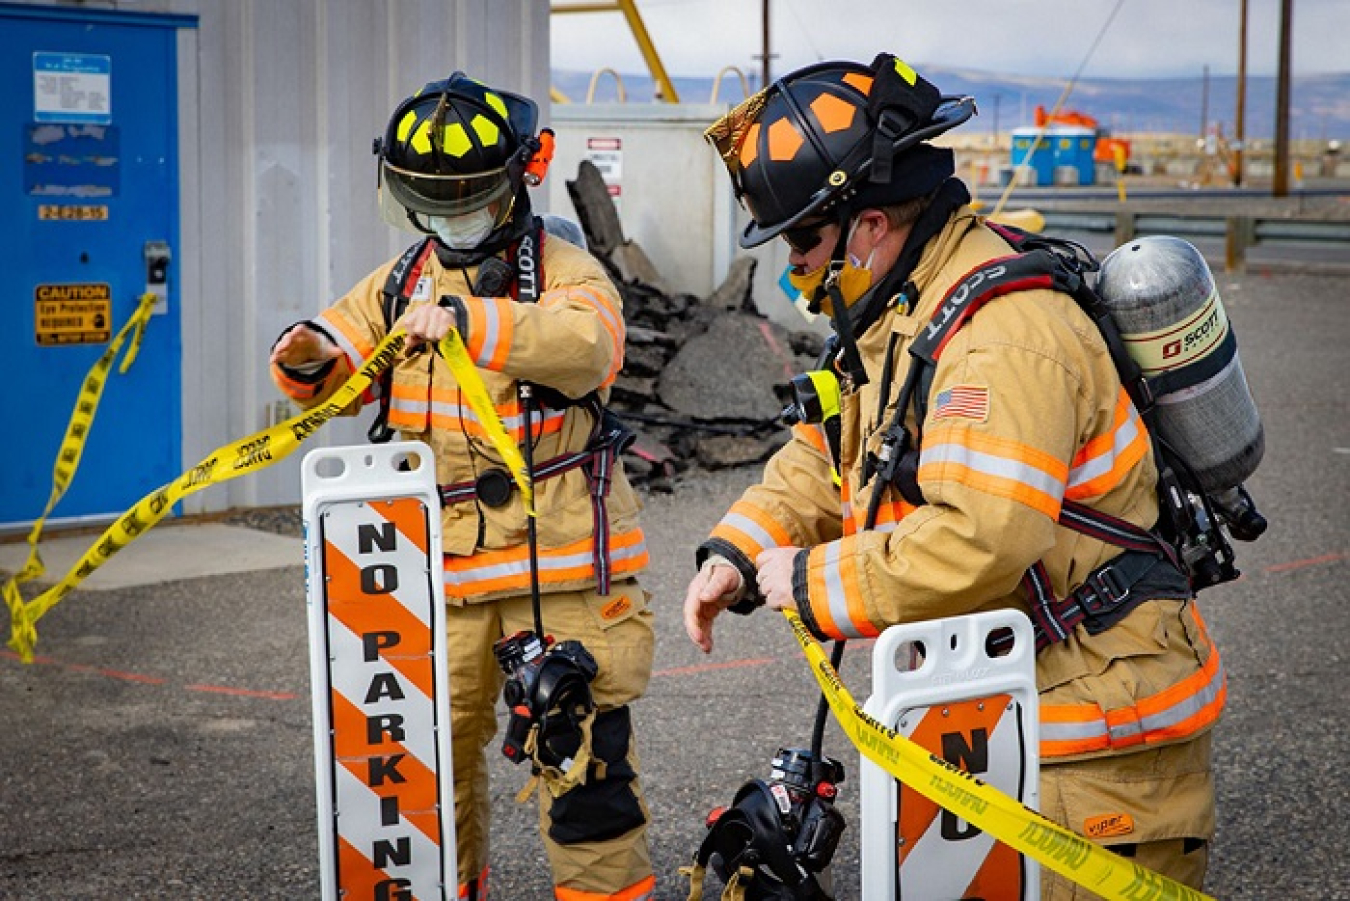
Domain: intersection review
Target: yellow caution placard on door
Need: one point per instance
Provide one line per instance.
(72, 314)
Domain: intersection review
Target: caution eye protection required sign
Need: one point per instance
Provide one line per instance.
(72, 314)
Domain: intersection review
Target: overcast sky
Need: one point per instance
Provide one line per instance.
(1146, 38)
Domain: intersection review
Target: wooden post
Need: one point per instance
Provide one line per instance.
(1125, 226)
(1238, 236)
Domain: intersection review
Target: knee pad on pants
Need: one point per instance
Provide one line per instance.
(601, 808)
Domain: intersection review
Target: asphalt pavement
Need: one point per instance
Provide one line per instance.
(160, 747)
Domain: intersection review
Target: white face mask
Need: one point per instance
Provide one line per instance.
(463, 232)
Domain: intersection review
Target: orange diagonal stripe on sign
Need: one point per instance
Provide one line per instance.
(416, 795)
(408, 516)
(364, 614)
(917, 812)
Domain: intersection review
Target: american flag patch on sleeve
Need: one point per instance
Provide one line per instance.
(963, 402)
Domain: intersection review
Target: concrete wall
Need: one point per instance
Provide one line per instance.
(279, 103)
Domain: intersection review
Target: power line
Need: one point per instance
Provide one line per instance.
(1059, 104)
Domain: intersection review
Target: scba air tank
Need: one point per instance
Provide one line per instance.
(1165, 303)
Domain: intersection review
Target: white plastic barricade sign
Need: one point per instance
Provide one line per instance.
(378, 671)
(965, 689)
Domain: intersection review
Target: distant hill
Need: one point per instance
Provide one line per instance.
(1319, 104)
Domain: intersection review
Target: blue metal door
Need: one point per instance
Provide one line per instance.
(88, 188)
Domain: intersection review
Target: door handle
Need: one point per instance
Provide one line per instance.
(157, 257)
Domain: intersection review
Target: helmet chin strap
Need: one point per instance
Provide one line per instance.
(840, 319)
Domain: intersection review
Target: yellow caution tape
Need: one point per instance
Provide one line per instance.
(77, 433)
(1006, 819)
(466, 374)
(256, 452)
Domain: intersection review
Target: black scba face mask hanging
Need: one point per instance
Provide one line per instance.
(776, 840)
(548, 695)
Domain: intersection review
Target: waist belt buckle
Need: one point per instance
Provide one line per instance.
(493, 487)
(1105, 592)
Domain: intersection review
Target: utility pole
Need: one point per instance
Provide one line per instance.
(1204, 103)
(1280, 185)
(1240, 138)
(764, 77)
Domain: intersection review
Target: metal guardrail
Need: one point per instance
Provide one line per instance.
(1238, 232)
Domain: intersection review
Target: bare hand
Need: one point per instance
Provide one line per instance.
(775, 577)
(710, 592)
(302, 345)
(427, 323)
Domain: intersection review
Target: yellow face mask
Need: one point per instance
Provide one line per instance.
(852, 280)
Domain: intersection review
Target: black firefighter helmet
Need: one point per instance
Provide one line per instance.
(456, 147)
(833, 138)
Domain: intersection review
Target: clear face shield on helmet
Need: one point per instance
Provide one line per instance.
(462, 206)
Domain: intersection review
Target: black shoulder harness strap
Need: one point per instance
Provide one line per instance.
(397, 292)
(1148, 567)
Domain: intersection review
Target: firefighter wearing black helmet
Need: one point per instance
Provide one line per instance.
(1025, 415)
(455, 164)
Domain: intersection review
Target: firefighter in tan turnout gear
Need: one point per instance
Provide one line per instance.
(1026, 428)
(544, 326)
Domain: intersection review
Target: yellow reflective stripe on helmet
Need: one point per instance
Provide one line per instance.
(455, 140)
(421, 137)
(486, 129)
(497, 104)
(405, 125)
(908, 74)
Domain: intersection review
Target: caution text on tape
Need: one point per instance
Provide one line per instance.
(1072, 856)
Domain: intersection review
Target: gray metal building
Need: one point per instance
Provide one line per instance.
(238, 133)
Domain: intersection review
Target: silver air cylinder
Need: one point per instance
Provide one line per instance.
(1163, 298)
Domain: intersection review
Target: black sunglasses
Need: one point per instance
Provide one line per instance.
(804, 238)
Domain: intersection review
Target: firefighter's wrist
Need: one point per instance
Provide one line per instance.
(738, 592)
(801, 594)
(312, 370)
(455, 305)
(746, 598)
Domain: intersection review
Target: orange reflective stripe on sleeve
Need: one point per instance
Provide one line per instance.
(609, 315)
(296, 389)
(834, 591)
(490, 331)
(1104, 461)
(995, 466)
(751, 530)
(354, 342)
(889, 514)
